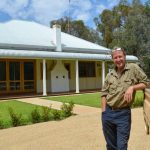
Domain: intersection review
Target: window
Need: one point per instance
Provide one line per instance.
(87, 69)
(28, 71)
(14, 75)
(28, 75)
(3, 76)
(14, 70)
(17, 76)
(3, 71)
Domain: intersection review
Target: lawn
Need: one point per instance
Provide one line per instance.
(19, 107)
(91, 99)
(16, 113)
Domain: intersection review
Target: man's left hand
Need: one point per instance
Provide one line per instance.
(129, 94)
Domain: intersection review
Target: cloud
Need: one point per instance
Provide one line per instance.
(44, 11)
(39, 10)
(80, 9)
(13, 7)
(100, 8)
(112, 3)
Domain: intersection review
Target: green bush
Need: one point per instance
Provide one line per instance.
(138, 102)
(67, 109)
(2, 124)
(139, 98)
(35, 115)
(56, 114)
(46, 113)
(15, 118)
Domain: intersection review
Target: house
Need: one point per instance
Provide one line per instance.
(38, 59)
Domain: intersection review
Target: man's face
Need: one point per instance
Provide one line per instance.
(119, 59)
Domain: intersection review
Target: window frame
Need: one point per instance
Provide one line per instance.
(85, 69)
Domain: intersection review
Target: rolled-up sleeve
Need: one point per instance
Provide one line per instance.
(141, 76)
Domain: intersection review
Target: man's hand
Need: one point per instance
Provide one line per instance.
(129, 94)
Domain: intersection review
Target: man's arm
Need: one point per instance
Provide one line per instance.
(129, 93)
(103, 103)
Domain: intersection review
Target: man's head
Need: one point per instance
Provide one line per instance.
(119, 58)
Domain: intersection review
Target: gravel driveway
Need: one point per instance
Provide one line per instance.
(79, 132)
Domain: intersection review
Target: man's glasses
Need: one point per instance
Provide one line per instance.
(117, 49)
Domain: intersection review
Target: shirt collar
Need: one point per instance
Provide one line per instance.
(114, 72)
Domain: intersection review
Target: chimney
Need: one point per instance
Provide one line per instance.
(57, 37)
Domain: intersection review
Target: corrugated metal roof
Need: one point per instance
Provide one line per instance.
(32, 54)
(32, 40)
(33, 34)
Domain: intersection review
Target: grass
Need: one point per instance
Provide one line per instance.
(16, 113)
(92, 99)
(19, 107)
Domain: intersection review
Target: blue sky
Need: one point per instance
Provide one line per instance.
(43, 11)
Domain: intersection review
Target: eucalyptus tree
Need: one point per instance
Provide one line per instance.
(109, 23)
(79, 29)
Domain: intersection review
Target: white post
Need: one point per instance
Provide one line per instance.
(44, 78)
(103, 72)
(77, 77)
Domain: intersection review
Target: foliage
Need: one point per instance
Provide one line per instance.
(2, 124)
(138, 101)
(15, 118)
(78, 29)
(67, 109)
(128, 26)
(45, 113)
(36, 116)
(88, 99)
(56, 114)
(91, 99)
(26, 114)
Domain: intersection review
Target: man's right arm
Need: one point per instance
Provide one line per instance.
(103, 103)
(104, 93)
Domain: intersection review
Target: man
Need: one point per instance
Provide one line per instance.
(117, 96)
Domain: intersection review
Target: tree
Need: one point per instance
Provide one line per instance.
(77, 28)
(127, 26)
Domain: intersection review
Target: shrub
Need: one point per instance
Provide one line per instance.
(35, 115)
(67, 109)
(1, 125)
(15, 118)
(46, 113)
(138, 101)
(56, 114)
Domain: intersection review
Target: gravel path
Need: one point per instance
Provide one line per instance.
(79, 132)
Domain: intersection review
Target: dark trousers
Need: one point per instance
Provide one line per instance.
(116, 128)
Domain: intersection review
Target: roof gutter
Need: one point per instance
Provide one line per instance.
(5, 53)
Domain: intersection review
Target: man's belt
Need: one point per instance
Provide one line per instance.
(117, 108)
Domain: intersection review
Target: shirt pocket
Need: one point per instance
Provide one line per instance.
(112, 87)
(128, 83)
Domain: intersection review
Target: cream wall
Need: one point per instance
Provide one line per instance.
(84, 83)
(49, 66)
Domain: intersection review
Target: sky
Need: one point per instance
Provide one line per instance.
(43, 11)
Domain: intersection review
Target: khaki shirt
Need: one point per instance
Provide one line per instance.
(115, 85)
